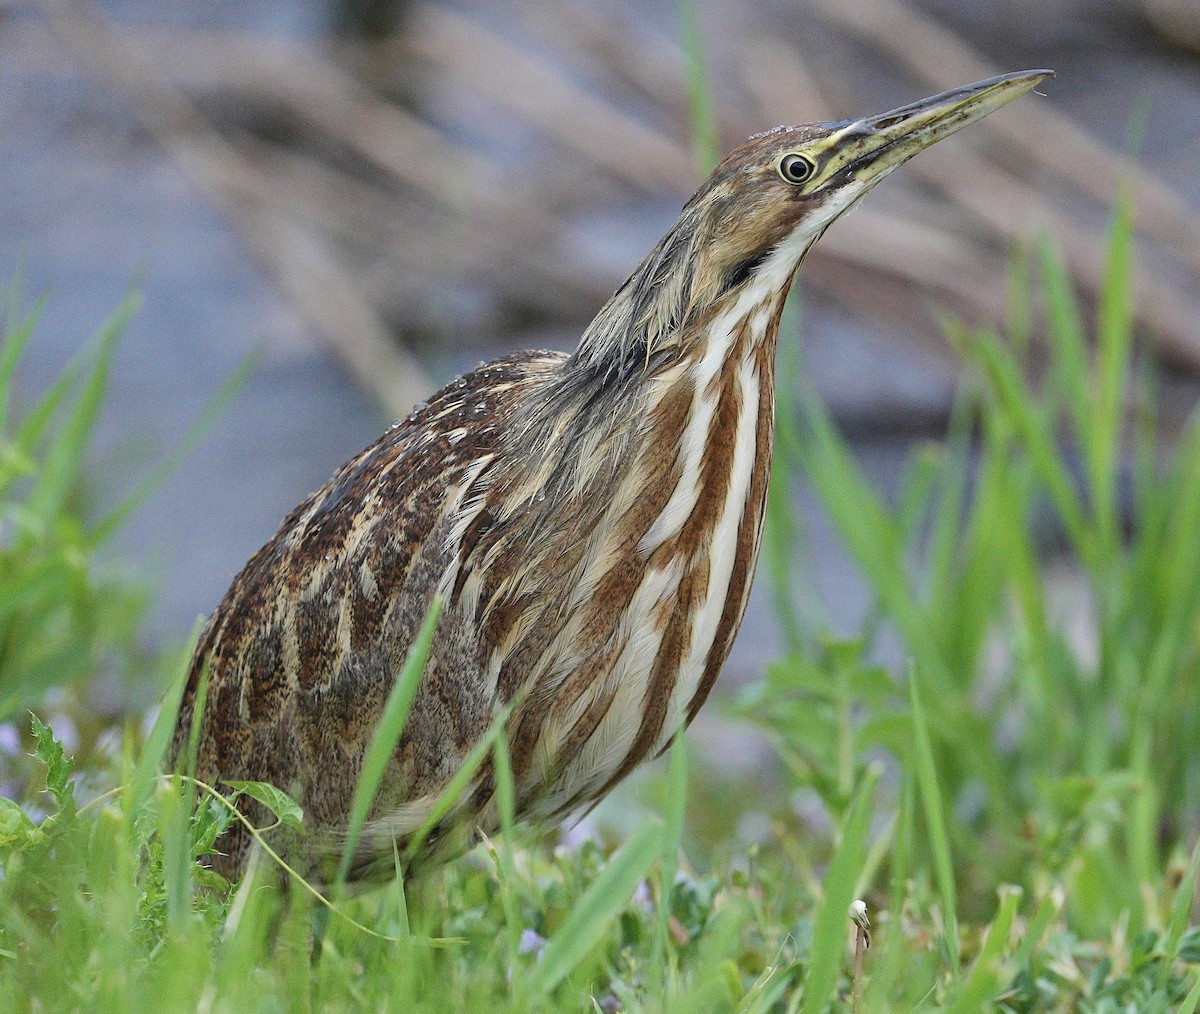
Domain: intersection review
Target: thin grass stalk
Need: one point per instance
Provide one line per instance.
(1048, 909)
(662, 960)
(506, 804)
(155, 748)
(197, 430)
(595, 910)
(931, 804)
(889, 942)
(386, 736)
(1192, 1000)
(1114, 336)
(453, 791)
(65, 455)
(829, 929)
(699, 90)
(782, 532)
(16, 336)
(982, 982)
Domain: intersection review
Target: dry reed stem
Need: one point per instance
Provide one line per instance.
(315, 282)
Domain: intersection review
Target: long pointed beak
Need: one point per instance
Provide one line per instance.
(869, 149)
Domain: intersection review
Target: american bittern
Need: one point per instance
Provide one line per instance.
(591, 522)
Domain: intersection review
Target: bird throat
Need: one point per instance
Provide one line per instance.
(661, 537)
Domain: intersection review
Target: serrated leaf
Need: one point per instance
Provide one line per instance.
(283, 806)
(211, 822)
(58, 765)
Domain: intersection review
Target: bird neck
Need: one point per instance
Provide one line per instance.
(681, 303)
(641, 493)
(647, 314)
(670, 494)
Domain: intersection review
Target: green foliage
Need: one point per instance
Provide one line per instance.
(829, 929)
(1017, 806)
(1053, 740)
(62, 612)
(90, 916)
(16, 829)
(58, 765)
(596, 908)
(932, 807)
(704, 124)
(284, 808)
(66, 614)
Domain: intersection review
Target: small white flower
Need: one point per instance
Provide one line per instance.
(858, 914)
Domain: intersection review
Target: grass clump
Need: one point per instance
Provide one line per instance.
(1016, 803)
(1050, 742)
(63, 614)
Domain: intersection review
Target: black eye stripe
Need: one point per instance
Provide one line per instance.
(741, 271)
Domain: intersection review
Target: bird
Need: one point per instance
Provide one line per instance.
(588, 522)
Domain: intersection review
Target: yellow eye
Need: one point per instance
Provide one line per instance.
(795, 168)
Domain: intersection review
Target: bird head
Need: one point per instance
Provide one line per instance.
(744, 232)
(772, 197)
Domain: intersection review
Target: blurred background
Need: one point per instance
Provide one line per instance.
(376, 196)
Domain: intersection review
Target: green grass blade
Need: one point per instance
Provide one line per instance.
(167, 467)
(1047, 910)
(457, 785)
(1114, 336)
(950, 500)
(67, 450)
(1068, 372)
(703, 123)
(1019, 318)
(595, 910)
(1034, 430)
(149, 764)
(890, 948)
(386, 735)
(780, 536)
(672, 841)
(199, 704)
(38, 419)
(506, 804)
(1191, 1001)
(858, 512)
(12, 300)
(829, 931)
(931, 802)
(793, 602)
(174, 823)
(16, 337)
(506, 789)
(981, 983)
(1181, 910)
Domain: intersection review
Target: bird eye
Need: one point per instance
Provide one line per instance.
(796, 168)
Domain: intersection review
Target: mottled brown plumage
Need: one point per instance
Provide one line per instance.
(591, 521)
